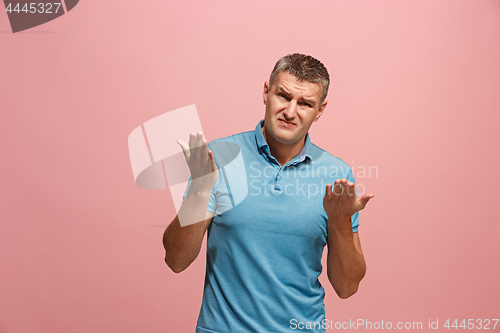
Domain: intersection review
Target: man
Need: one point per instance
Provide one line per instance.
(264, 252)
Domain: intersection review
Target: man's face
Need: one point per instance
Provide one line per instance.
(291, 107)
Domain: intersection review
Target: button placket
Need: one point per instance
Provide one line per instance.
(278, 182)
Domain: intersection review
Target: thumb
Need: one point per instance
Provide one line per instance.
(364, 199)
(185, 147)
(212, 160)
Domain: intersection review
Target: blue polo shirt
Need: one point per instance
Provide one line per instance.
(265, 243)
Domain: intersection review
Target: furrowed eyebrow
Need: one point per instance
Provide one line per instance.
(308, 101)
(281, 89)
(305, 100)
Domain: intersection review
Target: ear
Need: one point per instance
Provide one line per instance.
(320, 111)
(266, 92)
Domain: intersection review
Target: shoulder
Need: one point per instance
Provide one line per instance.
(240, 141)
(235, 138)
(227, 148)
(321, 156)
(325, 162)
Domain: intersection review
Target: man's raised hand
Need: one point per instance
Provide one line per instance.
(200, 160)
(340, 200)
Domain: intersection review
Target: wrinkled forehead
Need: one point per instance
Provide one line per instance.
(289, 83)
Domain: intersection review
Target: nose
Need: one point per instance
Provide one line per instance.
(290, 111)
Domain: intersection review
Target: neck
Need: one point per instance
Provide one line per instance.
(283, 152)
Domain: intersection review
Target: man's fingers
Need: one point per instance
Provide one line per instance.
(337, 190)
(199, 139)
(364, 199)
(351, 189)
(204, 149)
(212, 160)
(185, 147)
(192, 140)
(328, 191)
(344, 187)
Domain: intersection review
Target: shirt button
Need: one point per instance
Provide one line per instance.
(277, 189)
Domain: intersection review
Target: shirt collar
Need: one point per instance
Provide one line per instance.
(264, 147)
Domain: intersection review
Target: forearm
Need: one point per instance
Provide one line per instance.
(346, 264)
(183, 237)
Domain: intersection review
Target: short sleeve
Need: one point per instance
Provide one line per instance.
(211, 203)
(355, 216)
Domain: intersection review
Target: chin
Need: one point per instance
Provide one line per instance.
(287, 139)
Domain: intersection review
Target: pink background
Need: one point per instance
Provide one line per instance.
(414, 92)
